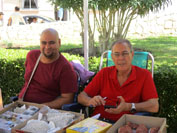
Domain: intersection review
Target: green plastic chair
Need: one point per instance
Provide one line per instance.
(140, 59)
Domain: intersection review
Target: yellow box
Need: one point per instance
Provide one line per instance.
(89, 125)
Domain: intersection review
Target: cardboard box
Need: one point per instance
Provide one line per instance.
(146, 120)
(12, 106)
(78, 118)
(89, 125)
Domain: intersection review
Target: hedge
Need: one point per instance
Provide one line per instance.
(165, 77)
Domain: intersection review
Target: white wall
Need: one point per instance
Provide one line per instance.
(155, 24)
(159, 23)
(46, 9)
(29, 34)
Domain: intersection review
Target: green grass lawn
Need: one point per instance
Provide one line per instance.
(164, 49)
(13, 53)
(63, 47)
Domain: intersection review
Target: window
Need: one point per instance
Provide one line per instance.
(29, 4)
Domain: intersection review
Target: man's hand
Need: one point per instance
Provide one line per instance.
(150, 105)
(96, 101)
(123, 106)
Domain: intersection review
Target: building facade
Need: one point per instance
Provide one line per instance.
(35, 7)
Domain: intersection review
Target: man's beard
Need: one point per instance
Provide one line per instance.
(50, 56)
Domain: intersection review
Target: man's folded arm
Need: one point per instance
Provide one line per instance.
(65, 98)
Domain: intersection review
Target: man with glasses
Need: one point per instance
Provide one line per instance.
(121, 89)
(54, 81)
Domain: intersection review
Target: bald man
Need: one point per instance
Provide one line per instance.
(54, 82)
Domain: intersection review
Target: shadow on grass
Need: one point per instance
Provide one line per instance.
(63, 47)
(25, 48)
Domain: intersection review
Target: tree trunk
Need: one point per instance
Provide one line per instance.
(65, 15)
(105, 25)
(91, 47)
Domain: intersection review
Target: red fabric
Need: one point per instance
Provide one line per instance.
(49, 80)
(138, 87)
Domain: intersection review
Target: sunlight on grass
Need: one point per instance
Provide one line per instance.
(65, 47)
(164, 49)
(12, 54)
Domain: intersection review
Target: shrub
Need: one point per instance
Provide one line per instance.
(165, 78)
(11, 77)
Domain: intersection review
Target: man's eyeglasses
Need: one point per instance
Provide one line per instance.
(50, 42)
(124, 54)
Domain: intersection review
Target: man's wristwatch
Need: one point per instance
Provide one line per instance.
(133, 108)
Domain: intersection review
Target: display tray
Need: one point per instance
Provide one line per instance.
(17, 113)
(77, 117)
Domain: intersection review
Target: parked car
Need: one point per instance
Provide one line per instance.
(37, 19)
